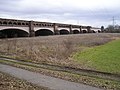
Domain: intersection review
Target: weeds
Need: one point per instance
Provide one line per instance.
(52, 49)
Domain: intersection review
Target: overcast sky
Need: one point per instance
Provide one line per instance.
(83, 12)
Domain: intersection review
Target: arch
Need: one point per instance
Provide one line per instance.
(10, 23)
(5, 23)
(19, 23)
(99, 31)
(40, 25)
(23, 23)
(84, 31)
(37, 24)
(43, 32)
(64, 31)
(93, 31)
(11, 33)
(0, 22)
(26, 23)
(76, 31)
(14, 23)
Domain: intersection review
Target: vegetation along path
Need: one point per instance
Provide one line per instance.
(42, 80)
(78, 71)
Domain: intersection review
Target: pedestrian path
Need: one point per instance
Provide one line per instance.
(43, 80)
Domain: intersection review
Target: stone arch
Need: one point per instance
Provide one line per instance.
(93, 31)
(12, 32)
(5, 23)
(43, 32)
(84, 31)
(19, 23)
(14, 23)
(76, 31)
(0, 22)
(64, 31)
(23, 23)
(26, 23)
(37, 24)
(10, 23)
(99, 31)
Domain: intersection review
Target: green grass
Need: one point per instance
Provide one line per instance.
(104, 58)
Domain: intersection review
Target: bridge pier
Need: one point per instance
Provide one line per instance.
(71, 31)
(56, 31)
(80, 29)
(31, 29)
(89, 29)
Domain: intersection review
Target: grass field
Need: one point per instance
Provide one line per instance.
(51, 49)
(57, 50)
(101, 58)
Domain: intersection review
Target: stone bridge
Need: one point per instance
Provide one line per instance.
(22, 28)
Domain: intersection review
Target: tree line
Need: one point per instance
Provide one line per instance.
(111, 29)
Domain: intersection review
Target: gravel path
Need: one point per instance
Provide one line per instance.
(43, 80)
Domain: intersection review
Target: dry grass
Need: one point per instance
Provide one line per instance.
(52, 49)
(10, 83)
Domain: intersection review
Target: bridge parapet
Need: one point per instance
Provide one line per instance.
(63, 25)
(12, 22)
(43, 24)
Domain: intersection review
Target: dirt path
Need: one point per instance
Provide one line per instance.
(42, 80)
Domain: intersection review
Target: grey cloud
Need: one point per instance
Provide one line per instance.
(9, 6)
(12, 8)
